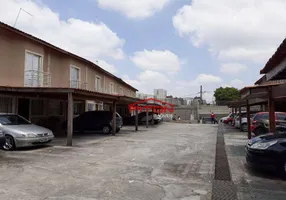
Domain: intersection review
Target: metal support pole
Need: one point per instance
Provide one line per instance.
(114, 118)
(147, 120)
(136, 120)
(152, 116)
(272, 121)
(248, 120)
(70, 120)
(239, 110)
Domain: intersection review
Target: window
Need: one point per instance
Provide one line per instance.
(281, 116)
(74, 77)
(98, 84)
(78, 108)
(100, 106)
(90, 106)
(111, 88)
(37, 107)
(128, 92)
(121, 91)
(260, 116)
(13, 120)
(33, 70)
(6, 104)
(56, 108)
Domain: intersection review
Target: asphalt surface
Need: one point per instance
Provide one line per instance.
(168, 162)
(250, 183)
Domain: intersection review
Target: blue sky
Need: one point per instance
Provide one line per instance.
(172, 44)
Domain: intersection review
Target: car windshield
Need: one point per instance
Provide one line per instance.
(281, 116)
(13, 120)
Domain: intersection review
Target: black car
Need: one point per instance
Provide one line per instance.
(130, 120)
(268, 151)
(95, 121)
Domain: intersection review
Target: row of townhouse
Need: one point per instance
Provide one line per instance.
(27, 61)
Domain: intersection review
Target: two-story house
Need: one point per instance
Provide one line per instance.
(29, 62)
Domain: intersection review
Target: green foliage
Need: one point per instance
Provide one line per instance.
(226, 94)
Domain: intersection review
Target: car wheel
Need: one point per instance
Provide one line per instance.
(282, 170)
(229, 122)
(244, 127)
(9, 144)
(106, 129)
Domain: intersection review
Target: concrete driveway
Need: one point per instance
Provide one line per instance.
(169, 162)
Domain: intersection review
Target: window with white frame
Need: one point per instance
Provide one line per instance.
(100, 106)
(111, 88)
(33, 70)
(74, 77)
(121, 91)
(98, 84)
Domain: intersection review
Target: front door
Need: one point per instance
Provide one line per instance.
(24, 108)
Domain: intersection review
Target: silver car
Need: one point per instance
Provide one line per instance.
(19, 132)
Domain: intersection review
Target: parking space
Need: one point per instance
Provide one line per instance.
(251, 183)
(173, 161)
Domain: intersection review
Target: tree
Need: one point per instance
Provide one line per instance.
(226, 94)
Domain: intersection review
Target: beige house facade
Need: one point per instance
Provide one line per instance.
(27, 61)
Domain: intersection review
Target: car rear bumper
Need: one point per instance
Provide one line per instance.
(2, 141)
(27, 142)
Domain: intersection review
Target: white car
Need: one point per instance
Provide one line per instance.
(155, 118)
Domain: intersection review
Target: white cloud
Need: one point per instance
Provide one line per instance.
(106, 66)
(147, 80)
(248, 30)
(91, 40)
(232, 68)
(208, 79)
(134, 8)
(237, 83)
(164, 61)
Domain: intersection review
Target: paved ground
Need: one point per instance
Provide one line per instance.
(250, 183)
(170, 162)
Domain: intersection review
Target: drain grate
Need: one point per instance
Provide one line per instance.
(223, 187)
(222, 171)
(223, 190)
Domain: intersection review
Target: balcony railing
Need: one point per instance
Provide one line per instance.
(35, 78)
(78, 84)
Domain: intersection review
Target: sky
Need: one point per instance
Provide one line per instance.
(176, 45)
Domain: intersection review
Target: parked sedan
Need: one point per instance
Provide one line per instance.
(95, 121)
(2, 138)
(260, 122)
(267, 151)
(19, 132)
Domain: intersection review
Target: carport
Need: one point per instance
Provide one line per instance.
(69, 95)
(149, 104)
(266, 94)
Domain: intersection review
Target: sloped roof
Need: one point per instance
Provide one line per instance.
(276, 58)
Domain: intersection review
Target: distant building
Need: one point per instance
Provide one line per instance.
(143, 95)
(160, 94)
